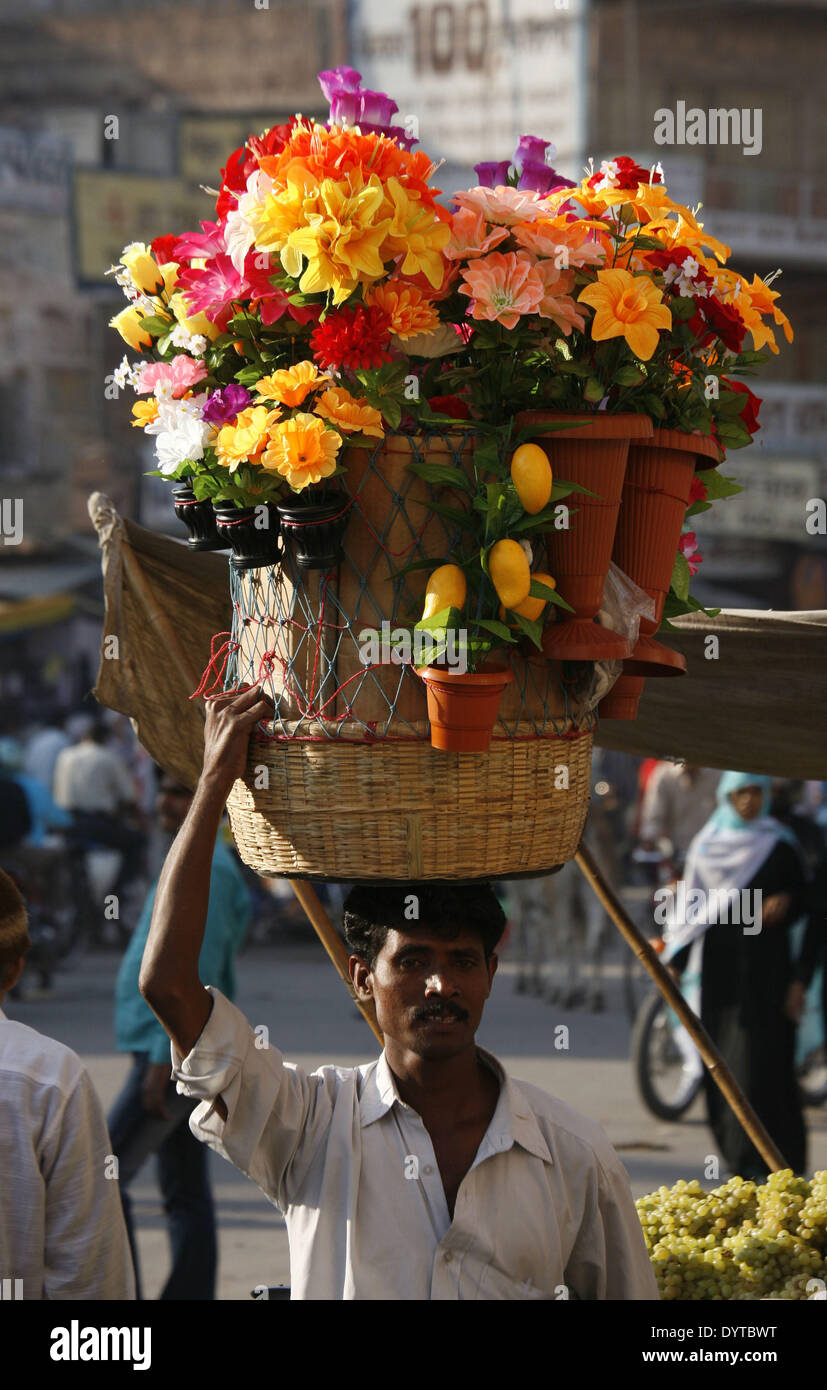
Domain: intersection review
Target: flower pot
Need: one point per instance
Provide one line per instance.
(594, 455)
(463, 707)
(253, 544)
(199, 519)
(315, 530)
(623, 698)
(655, 497)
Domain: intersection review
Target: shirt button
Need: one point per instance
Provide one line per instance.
(447, 1257)
(428, 1169)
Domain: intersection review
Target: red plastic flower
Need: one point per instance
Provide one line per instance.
(697, 490)
(688, 546)
(622, 172)
(161, 248)
(353, 338)
(244, 161)
(712, 319)
(749, 414)
(450, 405)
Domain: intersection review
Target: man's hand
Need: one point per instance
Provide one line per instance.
(154, 1089)
(230, 721)
(774, 909)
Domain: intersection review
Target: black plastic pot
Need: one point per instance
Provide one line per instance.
(199, 519)
(315, 529)
(253, 545)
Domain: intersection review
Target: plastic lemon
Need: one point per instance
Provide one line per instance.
(510, 574)
(532, 607)
(532, 477)
(446, 589)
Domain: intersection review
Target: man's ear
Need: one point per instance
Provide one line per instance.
(361, 977)
(493, 962)
(12, 975)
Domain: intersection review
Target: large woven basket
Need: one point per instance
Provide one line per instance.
(400, 810)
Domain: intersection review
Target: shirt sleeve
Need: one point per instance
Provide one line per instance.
(277, 1115)
(60, 784)
(609, 1259)
(86, 1248)
(654, 817)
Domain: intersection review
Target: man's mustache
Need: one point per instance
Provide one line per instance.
(440, 1008)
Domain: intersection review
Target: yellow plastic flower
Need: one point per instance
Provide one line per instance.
(417, 234)
(628, 306)
(302, 449)
(752, 301)
(143, 268)
(145, 412)
(406, 307)
(291, 385)
(349, 413)
(244, 440)
(193, 323)
(342, 241)
(128, 324)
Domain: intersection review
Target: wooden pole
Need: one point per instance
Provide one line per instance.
(307, 895)
(717, 1067)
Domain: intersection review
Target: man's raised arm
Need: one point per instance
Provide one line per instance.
(169, 978)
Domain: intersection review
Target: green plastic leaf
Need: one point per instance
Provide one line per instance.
(442, 475)
(532, 630)
(497, 628)
(718, 486)
(594, 390)
(681, 576)
(629, 375)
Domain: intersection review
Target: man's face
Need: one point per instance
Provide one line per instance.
(429, 990)
(172, 804)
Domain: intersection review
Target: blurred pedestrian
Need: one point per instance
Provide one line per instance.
(92, 782)
(42, 749)
(679, 799)
(744, 971)
(149, 1116)
(62, 1230)
(44, 816)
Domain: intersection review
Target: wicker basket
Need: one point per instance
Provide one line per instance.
(397, 811)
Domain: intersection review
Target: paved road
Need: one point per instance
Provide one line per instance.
(293, 989)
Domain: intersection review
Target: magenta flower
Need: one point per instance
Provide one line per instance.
(212, 290)
(224, 405)
(345, 108)
(688, 546)
(272, 301)
(541, 178)
(377, 107)
(170, 378)
(208, 242)
(492, 173)
(531, 149)
(335, 80)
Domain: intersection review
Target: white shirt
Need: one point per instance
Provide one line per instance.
(41, 754)
(91, 778)
(545, 1211)
(62, 1229)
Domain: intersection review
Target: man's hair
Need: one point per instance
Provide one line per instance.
(14, 926)
(446, 909)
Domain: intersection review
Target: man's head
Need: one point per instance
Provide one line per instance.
(14, 934)
(172, 802)
(425, 955)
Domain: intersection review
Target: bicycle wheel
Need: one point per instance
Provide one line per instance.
(665, 1086)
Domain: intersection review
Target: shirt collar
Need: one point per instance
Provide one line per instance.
(513, 1121)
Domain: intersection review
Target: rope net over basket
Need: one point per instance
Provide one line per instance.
(305, 634)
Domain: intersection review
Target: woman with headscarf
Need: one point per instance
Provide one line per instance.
(743, 968)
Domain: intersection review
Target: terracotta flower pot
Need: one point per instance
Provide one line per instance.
(463, 707)
(656, 489)
(199, 519)
(252, 544)
(623, 698)
(315, 530)
(594, 455)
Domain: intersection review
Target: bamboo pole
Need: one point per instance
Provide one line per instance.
(717, 1067)
(306, 895)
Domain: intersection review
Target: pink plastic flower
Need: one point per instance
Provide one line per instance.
(688, 546)
(193, 245)
(176, 376)
(503, 205)
(213, 290)
(568, 245)
(502, 287)
(556, 303)
(469, 238)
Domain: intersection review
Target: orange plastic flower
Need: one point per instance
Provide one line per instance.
(503, 205)
(349, 412)
(145, 412)
(406, 307)
(244, 439)
(503, 287)
(291, 385)
(302, 449)
(568, 244)
(469, 238)
(752, 301)
(628, 306)
(556, 302)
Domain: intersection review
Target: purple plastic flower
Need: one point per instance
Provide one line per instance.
(345, 108)
(541, 178)
(492, 174)
(377, 107)
(335, 80)
(224, 405)
(531, 149)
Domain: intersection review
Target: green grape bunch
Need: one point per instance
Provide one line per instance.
(740, 1241)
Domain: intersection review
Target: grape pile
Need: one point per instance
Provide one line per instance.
(740, 1241)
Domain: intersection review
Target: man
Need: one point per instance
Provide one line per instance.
(428, 1174)
(678, 800)
(62, 1233)
(149, 1116)
(92, 782)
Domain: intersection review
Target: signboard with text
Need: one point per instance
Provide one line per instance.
(111, 209)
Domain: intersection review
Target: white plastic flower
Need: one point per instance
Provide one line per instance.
(126, 374)
(180, 435)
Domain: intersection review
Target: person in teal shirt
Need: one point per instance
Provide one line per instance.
(148, 1116)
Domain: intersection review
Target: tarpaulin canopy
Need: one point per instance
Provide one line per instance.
(753, 700)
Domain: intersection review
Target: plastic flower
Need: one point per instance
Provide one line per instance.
(302, 449)
(697, 489)
(193, 323)
(556, 303)
(349, 413)
(688, 546)
(224, 405)
(470, 237)
(416, 235)
(180, 434)
(502, 205)
(753, 301)
(621, 172)
(209, 242)
(291, 385)
(492, 173)
(128, 324)
(353, 338)
(569, 244)
(752, 404)
(145, 412)
(407, 308)
(143, 268)
(503, 287)
(170, 378)
(245, 440)
(628, 306)
(213, 289)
